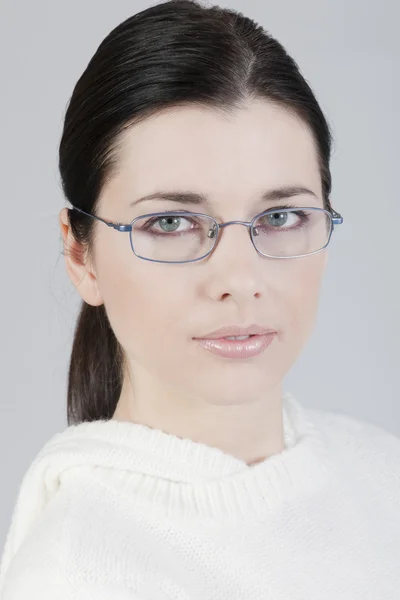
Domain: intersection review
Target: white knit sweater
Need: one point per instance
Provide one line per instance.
(112, 510)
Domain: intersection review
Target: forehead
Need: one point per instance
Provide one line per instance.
(255, 147)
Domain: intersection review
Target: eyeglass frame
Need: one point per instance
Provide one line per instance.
(336, 219)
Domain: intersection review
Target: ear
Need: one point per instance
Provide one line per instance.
(79, 270)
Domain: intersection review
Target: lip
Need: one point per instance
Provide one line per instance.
(253, 346)
(236, 330)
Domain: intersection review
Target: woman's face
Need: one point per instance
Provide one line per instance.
(156, 310)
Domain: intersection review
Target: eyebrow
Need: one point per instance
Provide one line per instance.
(197, 198)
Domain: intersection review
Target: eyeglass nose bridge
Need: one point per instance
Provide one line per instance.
(215, 229)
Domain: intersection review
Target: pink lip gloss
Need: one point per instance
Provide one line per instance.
(253, 346)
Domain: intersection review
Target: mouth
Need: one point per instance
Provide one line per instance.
(238, 347)
(237, 331)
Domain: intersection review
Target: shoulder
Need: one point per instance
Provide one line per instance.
(353, 428)
(372, 450)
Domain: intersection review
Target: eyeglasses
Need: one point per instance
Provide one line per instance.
(182, 236)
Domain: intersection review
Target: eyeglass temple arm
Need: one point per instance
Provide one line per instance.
(337, 219)
(117, 226)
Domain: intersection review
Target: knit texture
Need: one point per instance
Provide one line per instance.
(112, 510)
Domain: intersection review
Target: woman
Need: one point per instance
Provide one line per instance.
(195, 158)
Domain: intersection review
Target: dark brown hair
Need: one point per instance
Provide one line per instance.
(171, 54)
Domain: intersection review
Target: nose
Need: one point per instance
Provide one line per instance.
(234, 240)
(235, 267)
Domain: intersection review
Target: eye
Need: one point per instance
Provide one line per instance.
(282, 219)
(172, 223)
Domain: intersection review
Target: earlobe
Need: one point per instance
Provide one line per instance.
(77, 265)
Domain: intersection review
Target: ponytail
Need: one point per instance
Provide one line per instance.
(95, 370)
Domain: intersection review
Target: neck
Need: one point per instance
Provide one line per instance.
(250, 431)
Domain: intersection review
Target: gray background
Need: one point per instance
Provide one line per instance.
(349, 52)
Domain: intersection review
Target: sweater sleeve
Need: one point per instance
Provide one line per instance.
(36, 570)
(36, 580)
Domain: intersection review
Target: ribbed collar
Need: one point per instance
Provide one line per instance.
(184, 477)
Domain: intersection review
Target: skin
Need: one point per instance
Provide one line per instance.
(155, 309)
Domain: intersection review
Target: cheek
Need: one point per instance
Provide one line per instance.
(143, 302)
(302, 294)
